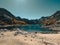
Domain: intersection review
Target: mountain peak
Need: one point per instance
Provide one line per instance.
(2, 9)
(7, 18)
(57, 12)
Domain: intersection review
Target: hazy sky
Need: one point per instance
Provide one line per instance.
(31, 9)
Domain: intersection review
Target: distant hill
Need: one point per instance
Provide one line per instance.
(50, 20)
(6, 18)
(32, 21)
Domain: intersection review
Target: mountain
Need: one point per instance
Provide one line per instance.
(32, 21)
(56, 15)
(7, 18)
(50, 20)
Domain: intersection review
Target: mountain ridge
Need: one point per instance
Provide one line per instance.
(50, 20)
(7, 18)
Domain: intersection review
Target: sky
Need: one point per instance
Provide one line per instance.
(31, 9)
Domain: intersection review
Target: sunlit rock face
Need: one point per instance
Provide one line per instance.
(6, 18)
(6, 13)
(50, 20)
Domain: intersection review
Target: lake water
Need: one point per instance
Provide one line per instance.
(35, 28)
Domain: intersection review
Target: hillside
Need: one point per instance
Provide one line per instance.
(6, 18)
(51, 20)
(32, 21)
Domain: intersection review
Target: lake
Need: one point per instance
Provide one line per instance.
(35, 28)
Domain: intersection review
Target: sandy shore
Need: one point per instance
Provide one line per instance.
(25, 38)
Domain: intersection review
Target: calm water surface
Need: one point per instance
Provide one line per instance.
(34, 28)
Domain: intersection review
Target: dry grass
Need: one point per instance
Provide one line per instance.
(22, 38)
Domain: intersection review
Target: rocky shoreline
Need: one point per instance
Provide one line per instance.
(54, 28)
(19, 37)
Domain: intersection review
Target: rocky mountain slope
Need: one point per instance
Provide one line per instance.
(6, 18)
(32, 21)
(50, 20)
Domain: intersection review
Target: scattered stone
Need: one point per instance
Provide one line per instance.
(16, 33)
(25, 35)
(2, 34)
(35, 32)
(25, 39)
(31, 39)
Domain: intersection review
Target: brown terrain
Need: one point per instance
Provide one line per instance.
(25, 38)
